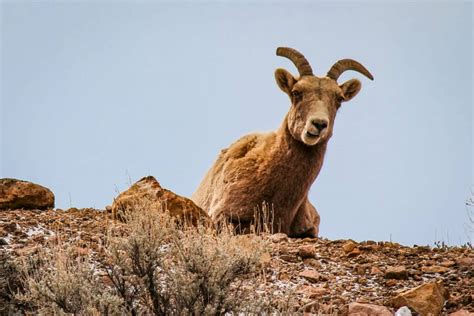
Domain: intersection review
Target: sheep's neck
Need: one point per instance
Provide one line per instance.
(294, 167)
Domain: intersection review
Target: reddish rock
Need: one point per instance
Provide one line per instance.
(448, 263)
(391, 282)
(18, 194)
(349, 246)
(313, 292)
(359, 309)
(147, 194)
(434, 269)
(426, 299)
(307, 251)
(375, 271)
(397, 273)
(310, 275)
(354, 253)
(465, 262)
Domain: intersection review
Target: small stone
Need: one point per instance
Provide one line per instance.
(397, 273)
(403, 311)
(312, 263)
(310, 275)
(307, 251)
(375, 271)
(434, 269)
(289, 258)
(348, 246)
(361, 269)
(354, 253)
(283, 276)
(465, 262)
(361, 309)
(279, 237)
(391, 282)
(313, 292)
(448, 263)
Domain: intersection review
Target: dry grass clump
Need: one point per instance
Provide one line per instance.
(158, 266)
(60, 282)
(10, 283)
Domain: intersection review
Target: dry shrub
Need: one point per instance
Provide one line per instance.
(157, 265)
(57, 281)
(10, 283)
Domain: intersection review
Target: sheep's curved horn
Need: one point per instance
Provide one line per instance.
(347, 64)
(297, 58)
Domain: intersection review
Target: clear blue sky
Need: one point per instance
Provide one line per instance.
(97, 93)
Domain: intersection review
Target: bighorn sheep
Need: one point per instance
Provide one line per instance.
(279, 167)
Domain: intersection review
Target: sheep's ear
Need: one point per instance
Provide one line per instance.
(350, 88)
(284, 80)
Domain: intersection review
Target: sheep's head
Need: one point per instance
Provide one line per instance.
(315, 100)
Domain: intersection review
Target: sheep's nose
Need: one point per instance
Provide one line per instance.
(320, 124)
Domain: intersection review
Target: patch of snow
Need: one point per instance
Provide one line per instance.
(8, 238)
(37, 230)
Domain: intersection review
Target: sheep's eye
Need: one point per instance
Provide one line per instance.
(297, 95)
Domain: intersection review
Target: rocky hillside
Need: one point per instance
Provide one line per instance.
(312, 275)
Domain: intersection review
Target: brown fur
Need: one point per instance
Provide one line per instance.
(278, 167)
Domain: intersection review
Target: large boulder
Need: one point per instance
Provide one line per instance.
(18, 194)
(148, 194)
(426, 299)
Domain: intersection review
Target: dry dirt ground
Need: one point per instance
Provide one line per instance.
(324, 274)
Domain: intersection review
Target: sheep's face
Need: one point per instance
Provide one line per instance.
(314, 103)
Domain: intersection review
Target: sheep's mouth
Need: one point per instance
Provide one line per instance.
(311, 135)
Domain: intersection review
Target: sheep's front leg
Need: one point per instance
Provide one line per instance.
(306, 221)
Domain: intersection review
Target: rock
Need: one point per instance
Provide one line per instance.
(18, 194)
(403, 311)
(348, 246)
(397, 273)
(310, 275)
(434, 269)
(361, 269)
(462, 312)
(354, 253)
(465, 262)
(391, 282)
(278, 237)
(425, 299)
(313, 292)
(307, 251)
(448, 263)
(289, 258)
(375, 270)
(284, 276)
(147, 194)
(360, 309)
